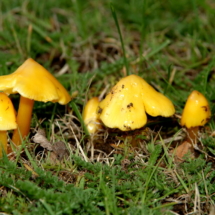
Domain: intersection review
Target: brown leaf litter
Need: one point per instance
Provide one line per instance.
(58, 149)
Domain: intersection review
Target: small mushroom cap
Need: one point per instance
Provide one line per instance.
(126, 105)
(90, 115)
(33, 81)
(7, 113)
(196, 111)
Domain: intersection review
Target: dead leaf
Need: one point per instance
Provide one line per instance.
(41, 139)
(60, 150)
(182, 150)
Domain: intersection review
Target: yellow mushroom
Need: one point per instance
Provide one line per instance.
(90, 115)
(196, 113)
(33, 82)
(126, 105)
(7, 120)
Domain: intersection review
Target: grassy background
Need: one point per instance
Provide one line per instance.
(170, 44)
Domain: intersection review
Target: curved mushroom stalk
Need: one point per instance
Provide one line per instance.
(192, 135)
(3, 142)
(24, 116)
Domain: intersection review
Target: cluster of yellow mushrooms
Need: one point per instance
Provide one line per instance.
(127, 103)
(34, 83)
(125, 107)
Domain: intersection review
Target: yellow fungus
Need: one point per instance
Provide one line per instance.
(126, 105)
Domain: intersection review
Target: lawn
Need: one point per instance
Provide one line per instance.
(89, 46)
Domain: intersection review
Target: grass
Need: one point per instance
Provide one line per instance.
(90, 45)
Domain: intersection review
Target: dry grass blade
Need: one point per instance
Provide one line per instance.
(79, 145)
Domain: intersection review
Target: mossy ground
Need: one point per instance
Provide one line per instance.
(168, 43)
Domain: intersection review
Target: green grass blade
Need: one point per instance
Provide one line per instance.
(121, 39)
(78, 114)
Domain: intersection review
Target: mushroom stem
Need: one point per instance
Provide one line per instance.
(23, 119)
(192, 134)
(3, 142)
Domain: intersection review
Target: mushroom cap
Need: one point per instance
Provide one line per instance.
(196, 111)
(126, 105)
(90, 115)
(7, 113)
(33, 81)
